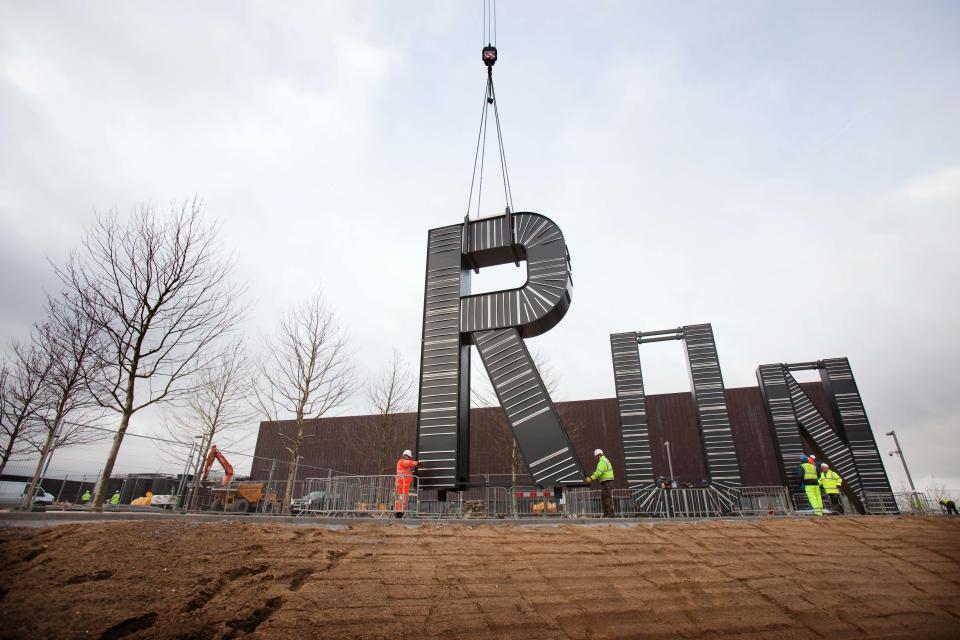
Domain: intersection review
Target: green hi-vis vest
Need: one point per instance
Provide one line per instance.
(831, 481)
(604, 470)
(809, 473)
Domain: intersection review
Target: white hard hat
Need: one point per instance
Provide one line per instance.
(407, 452)
(825, 465)
(598, 452)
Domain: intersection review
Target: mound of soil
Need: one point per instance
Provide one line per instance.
(803, 578)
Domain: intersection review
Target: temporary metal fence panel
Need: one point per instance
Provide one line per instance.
(703, 502)
(691, 503)
(317, 497)
(429, 505)
(879, 503)
(763, 501)
(706, 502)
(485, 502)
(351, 495)
(801, 504)
(625, 505)
(498, 501)
(917, 504)
(583, 503)
(475, 502)
(535, 501)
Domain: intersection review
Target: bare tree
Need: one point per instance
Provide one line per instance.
(390, 394)
(305, 372)
(936, 488)
(159, 293)
(4, 404)
(66, 411)
(217, 409)
(22, 386)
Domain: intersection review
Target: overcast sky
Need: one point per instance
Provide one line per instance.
(788, 172)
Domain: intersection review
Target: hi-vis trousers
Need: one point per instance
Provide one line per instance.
(816, 500)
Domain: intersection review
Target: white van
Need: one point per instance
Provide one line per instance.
(11, 494)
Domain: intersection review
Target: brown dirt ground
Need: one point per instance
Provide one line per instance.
(826, 578)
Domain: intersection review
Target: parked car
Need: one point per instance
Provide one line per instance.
(313, 501)
(11, 494)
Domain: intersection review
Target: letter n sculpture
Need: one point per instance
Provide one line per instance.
(849, 447)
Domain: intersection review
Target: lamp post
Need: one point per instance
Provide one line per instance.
(666, 445)
(898, 451)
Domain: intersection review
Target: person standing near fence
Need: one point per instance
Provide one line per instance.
(115, 498)
(604, 474)
(86, 497)
(811, 483)
(831, 481)
(405, 468)
(949, 506)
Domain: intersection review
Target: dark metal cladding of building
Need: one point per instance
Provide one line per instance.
(355, 444)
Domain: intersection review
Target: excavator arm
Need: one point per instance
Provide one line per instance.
(219, 457)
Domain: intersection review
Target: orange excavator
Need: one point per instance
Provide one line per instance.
(240, 497)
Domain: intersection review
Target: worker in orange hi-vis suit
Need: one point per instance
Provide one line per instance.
(405, 468)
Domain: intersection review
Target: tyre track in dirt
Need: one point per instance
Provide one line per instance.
(797, 578)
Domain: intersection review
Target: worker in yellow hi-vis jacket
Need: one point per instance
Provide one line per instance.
(604, 474)
(830, 480)
(811, 484)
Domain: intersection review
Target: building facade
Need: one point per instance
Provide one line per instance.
(370, 445)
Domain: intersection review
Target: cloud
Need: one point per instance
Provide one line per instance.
(940, 186)
(673, 145)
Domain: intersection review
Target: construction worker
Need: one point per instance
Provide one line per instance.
(85, 498)
(405, 468)
(831, 481)
(115, 498)
(811, 483)
(604, 474)
(949, 505)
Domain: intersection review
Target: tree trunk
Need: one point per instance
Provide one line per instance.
(36, 474)
(201, 460)
(104, 481)
(7, 452)
(292, 472)
(14, 436)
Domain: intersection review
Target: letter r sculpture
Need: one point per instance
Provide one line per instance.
(496, 323)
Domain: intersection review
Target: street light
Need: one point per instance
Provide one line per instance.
(898, 451)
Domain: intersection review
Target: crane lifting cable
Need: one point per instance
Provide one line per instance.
(489, 56)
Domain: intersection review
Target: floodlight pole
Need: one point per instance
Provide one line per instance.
(898, 451)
